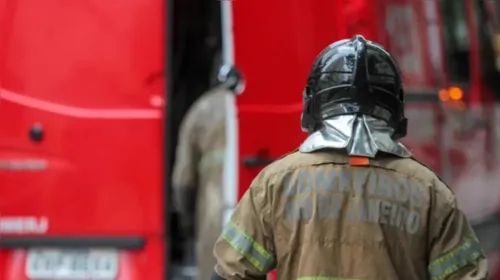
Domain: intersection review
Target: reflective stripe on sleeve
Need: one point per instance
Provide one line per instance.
(449, 263)
(250, 249)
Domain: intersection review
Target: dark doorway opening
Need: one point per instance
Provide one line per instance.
(193, 57)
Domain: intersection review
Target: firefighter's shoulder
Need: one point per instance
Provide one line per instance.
(213, 98)
(416, 170)
(295, 160)
(206, 110)
(283, 168)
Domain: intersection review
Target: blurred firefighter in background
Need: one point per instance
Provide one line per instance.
(198, 170)
(351, 202)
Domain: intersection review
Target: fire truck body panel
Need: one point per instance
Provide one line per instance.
(81, 137)
(89, 86)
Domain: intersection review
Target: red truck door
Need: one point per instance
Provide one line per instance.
(274, 45)
(80, 140)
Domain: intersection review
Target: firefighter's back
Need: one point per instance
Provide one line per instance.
(344, 220)
(321, 214)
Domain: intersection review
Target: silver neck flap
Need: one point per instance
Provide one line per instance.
(359, 135)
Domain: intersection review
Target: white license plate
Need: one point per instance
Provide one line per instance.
(88, 264)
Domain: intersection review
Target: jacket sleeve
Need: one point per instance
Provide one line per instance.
(245, 249)
(455, 253)
(185, 177)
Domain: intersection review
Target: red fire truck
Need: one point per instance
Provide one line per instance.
(87, 132)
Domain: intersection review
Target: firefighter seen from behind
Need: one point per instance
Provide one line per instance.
(351, 202)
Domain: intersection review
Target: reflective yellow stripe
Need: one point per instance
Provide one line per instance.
(324, 278)
(451, 262)
(246, 246)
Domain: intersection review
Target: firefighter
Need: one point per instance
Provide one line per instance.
(351, 202)
(197, 175)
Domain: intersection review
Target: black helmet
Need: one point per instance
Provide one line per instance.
(354, 76)
(230, 77)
